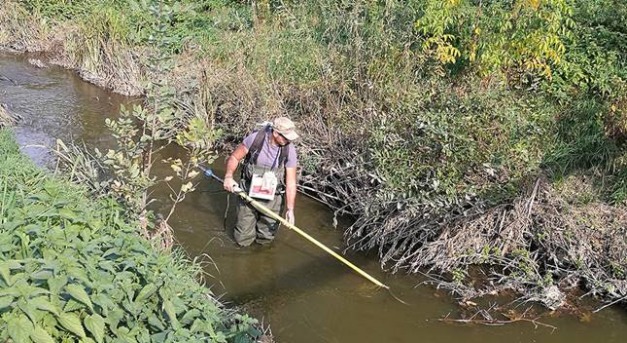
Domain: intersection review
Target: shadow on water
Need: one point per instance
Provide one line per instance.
(303, 293)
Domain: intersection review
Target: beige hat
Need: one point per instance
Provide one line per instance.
(286, 127)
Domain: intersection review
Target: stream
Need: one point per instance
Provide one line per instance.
(300, 291)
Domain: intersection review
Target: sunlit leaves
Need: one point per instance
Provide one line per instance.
(42, 303)
(20, 328)
(96, 325)
(497, 36)
(6, 301)
(40, 335)
(72, 323)
(78, 292)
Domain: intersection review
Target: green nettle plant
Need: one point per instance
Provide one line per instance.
(73, 270)
(144, 131)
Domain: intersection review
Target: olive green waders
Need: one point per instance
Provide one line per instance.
(252, 226)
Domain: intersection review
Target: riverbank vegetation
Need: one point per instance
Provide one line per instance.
(78, 270)
(456, 133)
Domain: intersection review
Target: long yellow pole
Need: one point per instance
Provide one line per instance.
(283, 221)
(270, 213)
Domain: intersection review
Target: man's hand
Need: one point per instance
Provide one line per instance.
(230, 185)
(289, 216)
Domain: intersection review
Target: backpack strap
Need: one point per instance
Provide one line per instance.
(283, 155)
(255, 148)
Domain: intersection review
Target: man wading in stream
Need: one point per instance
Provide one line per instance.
(268, 175)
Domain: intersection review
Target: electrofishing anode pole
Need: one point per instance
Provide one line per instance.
(209, 173)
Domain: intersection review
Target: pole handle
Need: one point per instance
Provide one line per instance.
(208, 172)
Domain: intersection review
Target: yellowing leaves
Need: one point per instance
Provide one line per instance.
(493, 37)
(193, 174)
(447, 53)
(177, 168)
(535, 4)
(187, 187)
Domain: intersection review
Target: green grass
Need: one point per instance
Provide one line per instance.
(74, 269)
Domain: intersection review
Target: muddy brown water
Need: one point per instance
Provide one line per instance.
(301, 292)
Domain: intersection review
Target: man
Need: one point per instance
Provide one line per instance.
(269, 175)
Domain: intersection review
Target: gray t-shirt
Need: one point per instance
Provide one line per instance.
(269, 154)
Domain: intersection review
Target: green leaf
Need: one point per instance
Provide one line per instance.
(125, 335)
(50, 322)
(13, 264)
(78, 292)
(72, 305)
(28, 309)
(112, 251)
(43, 304)
(114, 318)
(96, 325)
(242, 338)
(159, 337)
(56, 283)
(168, 307)
(10, 292)
(154, 321)
(190, 316)
(5, 272)
(42, 275)
(72, 323)
(78, 273)
(6, 301)
(146, 292)
(20, 328)
(39, 335)
(131, 307)
(68, 214)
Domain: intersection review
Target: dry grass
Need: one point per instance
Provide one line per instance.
(104, 62)
(547, 241)
(7, 118)
(22, 32)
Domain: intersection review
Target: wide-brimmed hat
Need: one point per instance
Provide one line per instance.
(285, 127)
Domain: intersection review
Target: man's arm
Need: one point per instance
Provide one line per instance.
(231, 166)
(290, 193)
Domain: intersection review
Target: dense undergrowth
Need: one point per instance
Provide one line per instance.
(430, 122)
(73, 270)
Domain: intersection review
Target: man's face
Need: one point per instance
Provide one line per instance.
(280, 139)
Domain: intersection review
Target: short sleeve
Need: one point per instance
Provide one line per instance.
(292, 157)
(248, 140)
